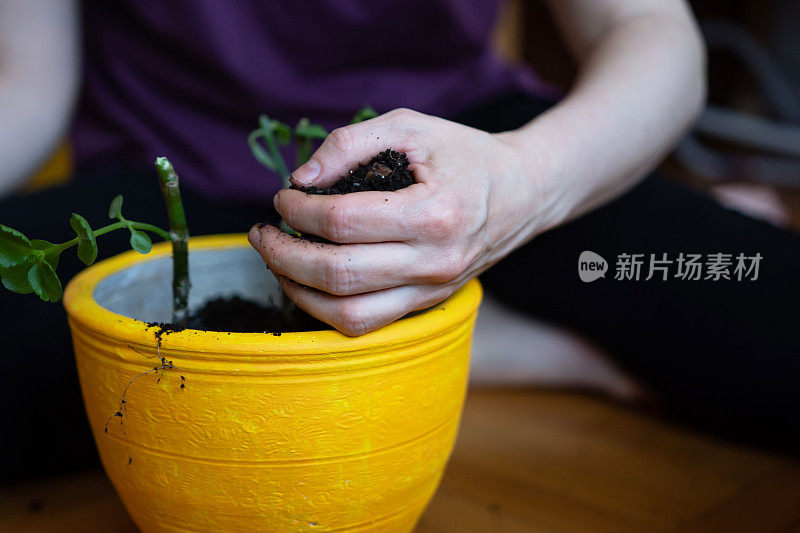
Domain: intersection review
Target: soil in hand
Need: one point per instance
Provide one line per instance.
(387, 171)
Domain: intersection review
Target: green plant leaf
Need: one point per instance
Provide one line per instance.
(140, 241)
(44, 281)
(51, 252)
(365, 113)
(87, 245)
(14, 247)
(264, 122)
(283, 132)
(258, 151)
(15, 278)
(302, 151)
(304, 133)
(308, 130)
(115, 209)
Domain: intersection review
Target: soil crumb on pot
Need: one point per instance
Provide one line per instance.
(163, 328)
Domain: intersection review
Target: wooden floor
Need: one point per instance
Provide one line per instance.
(530, 461)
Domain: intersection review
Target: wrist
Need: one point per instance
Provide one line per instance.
(538, 164)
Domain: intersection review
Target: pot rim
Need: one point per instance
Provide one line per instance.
(83, 309)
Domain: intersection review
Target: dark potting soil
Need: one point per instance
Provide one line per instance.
(387, 171)
(238, 315)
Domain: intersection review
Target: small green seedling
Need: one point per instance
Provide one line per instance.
(304, 134)
(29, 265)
(276, 134)
(365, 113)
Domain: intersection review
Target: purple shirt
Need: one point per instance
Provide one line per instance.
(188, 78)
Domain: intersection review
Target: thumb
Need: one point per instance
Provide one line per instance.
(344, 149)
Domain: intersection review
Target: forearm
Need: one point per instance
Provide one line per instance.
(639, 89)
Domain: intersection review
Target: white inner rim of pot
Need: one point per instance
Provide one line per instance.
(144, 291)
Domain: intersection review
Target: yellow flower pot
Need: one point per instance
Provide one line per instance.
(310, 431)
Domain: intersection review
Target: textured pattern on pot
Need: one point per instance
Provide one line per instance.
(309, 431)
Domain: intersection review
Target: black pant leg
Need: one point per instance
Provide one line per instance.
(722, 353)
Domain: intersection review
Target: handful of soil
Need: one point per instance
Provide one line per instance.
(387, 171)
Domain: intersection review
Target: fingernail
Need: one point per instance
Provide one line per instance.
(254, 236)
(307, 173)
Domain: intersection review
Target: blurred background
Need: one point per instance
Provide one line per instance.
(749, 137)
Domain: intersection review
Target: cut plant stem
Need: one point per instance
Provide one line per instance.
(179, 234)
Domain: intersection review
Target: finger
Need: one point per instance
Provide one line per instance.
(356, 218)
(337, 269)
(362, 313)
(346, 147)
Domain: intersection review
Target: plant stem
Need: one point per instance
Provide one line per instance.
(303, 150)
(274, 152)
(179, 234)
(115, 226)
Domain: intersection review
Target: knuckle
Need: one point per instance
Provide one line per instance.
(450, 267)
(337, 278)
(338, 223)
(341, 139)
(474, 253)
(443, 220)
(436, 296)
(402, 114)
(352, 319)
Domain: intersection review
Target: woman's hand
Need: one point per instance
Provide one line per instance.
(408, 249)
(640, 86)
